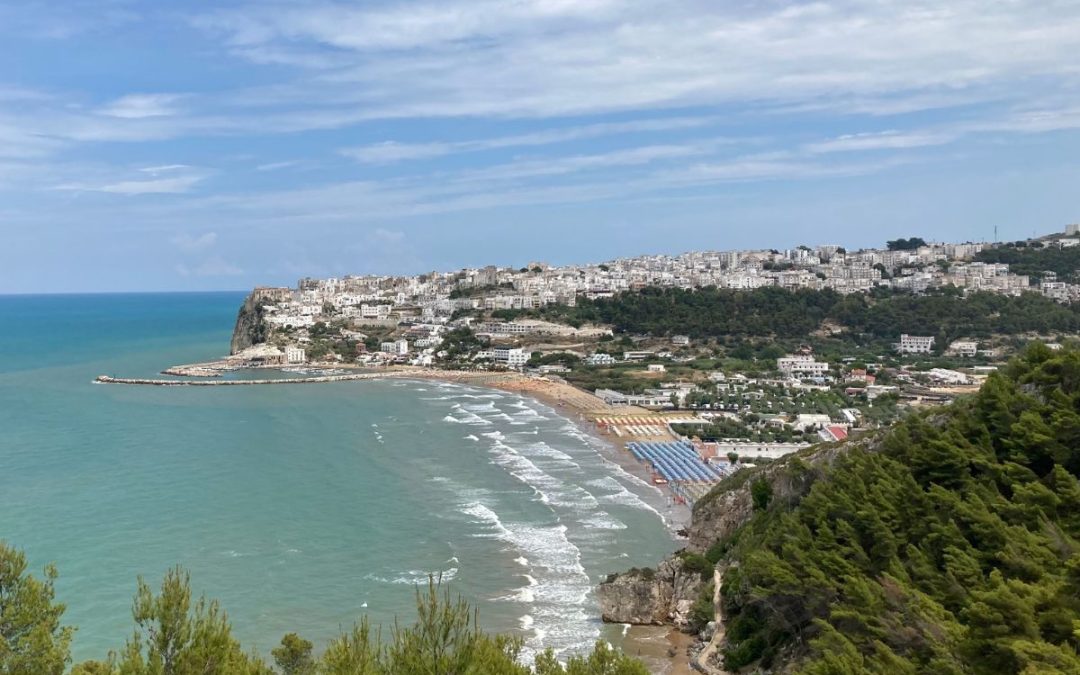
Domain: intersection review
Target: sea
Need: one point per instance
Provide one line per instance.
(299, 508)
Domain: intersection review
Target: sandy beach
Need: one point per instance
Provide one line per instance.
(662, 649)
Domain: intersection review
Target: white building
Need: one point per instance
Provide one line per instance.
(656, 368)
(512, 357)
(801, 364)
(680, 340)
(964, 348)
(295, 355)
(395, 347)
(804, 421)
(600, 359)
(374, 311)
(915, 344)
(945, 376)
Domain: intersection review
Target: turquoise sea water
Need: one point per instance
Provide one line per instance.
(299, 508)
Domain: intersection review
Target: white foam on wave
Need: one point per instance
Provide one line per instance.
(415, 577)
(497, 435)
(550, 488)
(525, 593)
(542, 449)
(467, 417)
(602, 521)
(627, 476)
(557, 586)
(622, 496)
(470, 437)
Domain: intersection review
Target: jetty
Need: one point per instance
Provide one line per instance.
(106, 379)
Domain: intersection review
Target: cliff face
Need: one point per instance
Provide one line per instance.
(667, 596)
(647, 597)
(250, 328)
(717, 515)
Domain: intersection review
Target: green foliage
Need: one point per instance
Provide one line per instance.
(32, 641)
(760, 493)
(460, 343)
(603, 660)
(174, 636)
(902, 244)
(1035, 261)
(695, 563)
(446, 639)
(702, 611)
(293, 656)
(779, 313)
(949, 546)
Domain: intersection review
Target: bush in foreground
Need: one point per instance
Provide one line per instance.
(175, 635)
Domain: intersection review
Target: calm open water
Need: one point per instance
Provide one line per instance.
(299, 508)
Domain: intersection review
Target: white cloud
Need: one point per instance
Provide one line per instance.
(885, 140)
(385, 236)
(154, 170)
(213, 267)
(534, 59)
(139, 106)
(177, 185)
(276, 166)
(188, 242)
(390, 151)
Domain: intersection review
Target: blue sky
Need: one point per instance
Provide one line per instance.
(217, 145)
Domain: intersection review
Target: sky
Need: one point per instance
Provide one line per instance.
(196, 145)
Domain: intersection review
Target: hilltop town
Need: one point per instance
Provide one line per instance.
(704, 361)
(346, 319)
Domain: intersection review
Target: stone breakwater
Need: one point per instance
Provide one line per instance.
(106, 379)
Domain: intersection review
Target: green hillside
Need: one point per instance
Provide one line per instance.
(949, 545)
(780, 313)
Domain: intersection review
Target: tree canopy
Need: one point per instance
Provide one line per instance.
(909, 244)
(949, 545)
(1035, 261)
(32, 639)
(178, 635)
(780, 313)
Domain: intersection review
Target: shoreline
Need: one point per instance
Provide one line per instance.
(662, 648)
(580, 407)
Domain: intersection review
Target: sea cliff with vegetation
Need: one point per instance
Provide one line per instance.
(948, 544)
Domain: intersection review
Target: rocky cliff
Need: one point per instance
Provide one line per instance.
(250, 328)
(666, 595)
(730, 505)
(661, 596)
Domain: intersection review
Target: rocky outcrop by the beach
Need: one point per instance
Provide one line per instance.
(251, 327)
(728, 507)
(667, 594)
(651, 597)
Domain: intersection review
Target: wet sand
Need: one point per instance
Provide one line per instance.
(661, 648)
